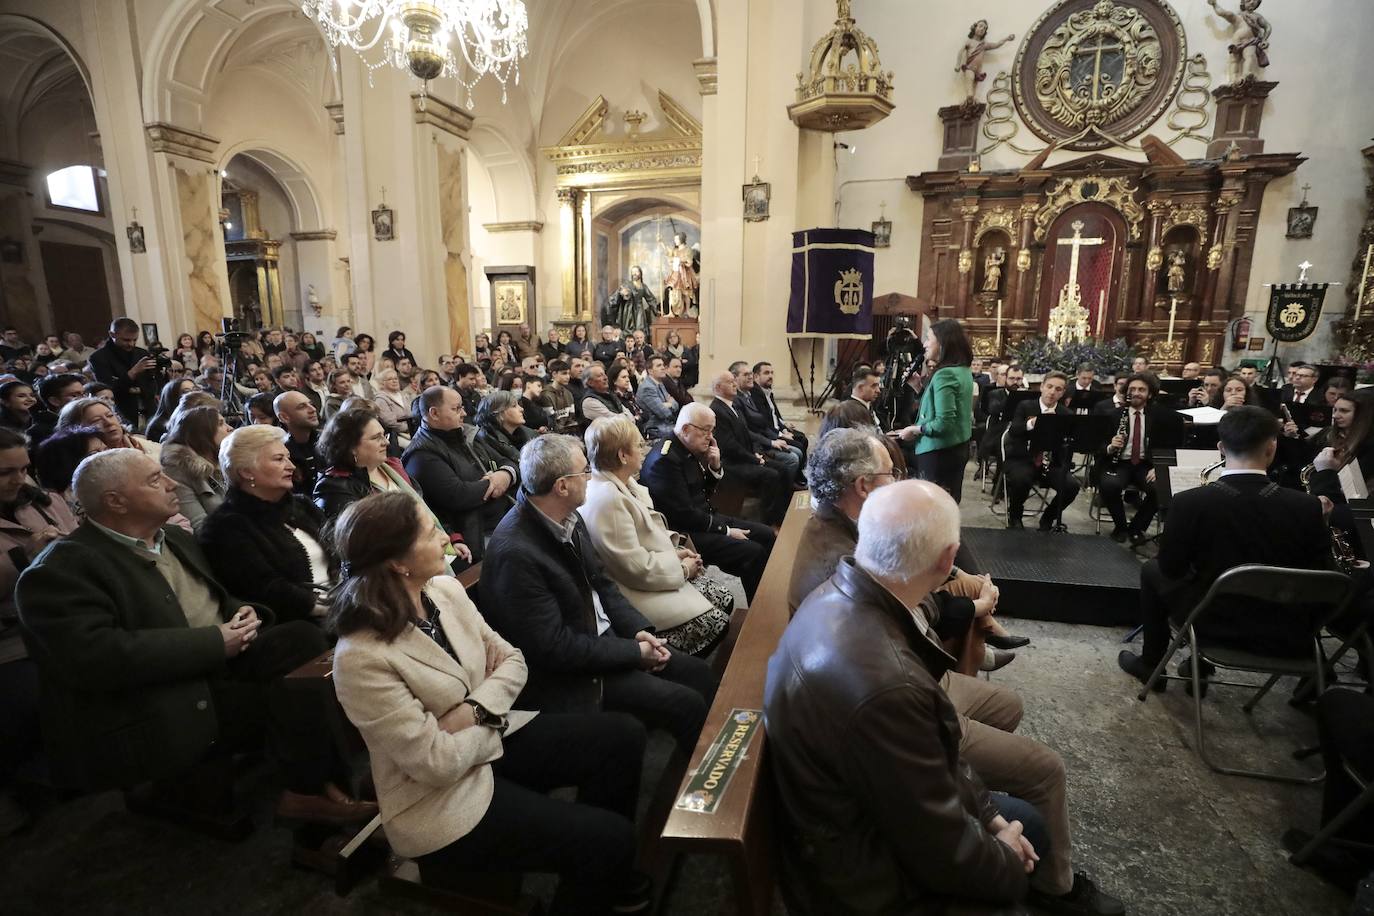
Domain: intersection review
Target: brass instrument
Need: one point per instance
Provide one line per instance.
(1207, 471)
(1342, 554)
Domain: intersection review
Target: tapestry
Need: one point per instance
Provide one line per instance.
(1294, 309)
(832, 284)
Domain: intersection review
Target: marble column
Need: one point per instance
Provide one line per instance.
(567, 242)
(586, 244)
(454, 233)
(197, 271)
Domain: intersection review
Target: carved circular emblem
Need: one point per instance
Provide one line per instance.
(1092, 72)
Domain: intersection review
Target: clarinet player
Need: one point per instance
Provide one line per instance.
(1022, 468)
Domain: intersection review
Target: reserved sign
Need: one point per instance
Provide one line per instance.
(708, 784)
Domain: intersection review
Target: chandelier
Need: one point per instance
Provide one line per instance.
(419, 36)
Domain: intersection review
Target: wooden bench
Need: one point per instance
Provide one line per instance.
(739, 825)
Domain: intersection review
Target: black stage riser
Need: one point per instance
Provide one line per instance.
(1070, 578)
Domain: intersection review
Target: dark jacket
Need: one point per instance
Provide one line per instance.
(545, 610)
(605, 352)
(502, 445)
(253, 552)
(1239, 519)
(677, 390)
(125, 680)
(1163, 429)
(1017, 442)
(338, 488)
(738, 445)
(307, 461)
(111, 365)
(879, 811)
(756, 418)
(449, 467)
(682, 488)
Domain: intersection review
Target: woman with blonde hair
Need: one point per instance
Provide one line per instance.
(393, 405)
(658, 572)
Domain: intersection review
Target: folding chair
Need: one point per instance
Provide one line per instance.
(1271, 584)
(1338, 823)
(1036, 497)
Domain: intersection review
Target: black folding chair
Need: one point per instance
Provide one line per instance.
(1272, 584)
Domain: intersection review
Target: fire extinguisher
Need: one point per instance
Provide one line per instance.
(1240, 333)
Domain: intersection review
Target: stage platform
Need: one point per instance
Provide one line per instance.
(1071, 578)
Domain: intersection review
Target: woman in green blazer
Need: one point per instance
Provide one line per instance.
(944, 422)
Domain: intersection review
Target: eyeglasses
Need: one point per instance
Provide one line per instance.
(586, 473)
(708, 430)
(894, 474)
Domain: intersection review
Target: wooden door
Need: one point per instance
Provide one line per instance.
(77, 289)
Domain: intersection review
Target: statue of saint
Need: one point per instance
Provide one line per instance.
(970, 61)
(1178, 271)
(682, 279)
(632, 306)
(992, 270)
(1249, 30)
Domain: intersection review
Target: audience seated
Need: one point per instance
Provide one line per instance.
(1227, 523)
(17, 403)
(393, 405)
(55, 391)
(656, 571)
(190, 456)
(767, 406)
(469, 487)
(259, 409)
(463, 777)
(620, 377)
(587, 647)
(298, 416)
(741, 455)
(265, 542)
(658, 408)
(141, 652)
(167, 401)
(97, 412)
(681, 473)
(597, 398)
(882, 811)
(56, 460)
(30, 519)
(501, 426)
(767, 436)
(535, 406)
(340, 389)
(562, 409)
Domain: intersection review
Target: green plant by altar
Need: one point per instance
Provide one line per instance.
(1040, 355)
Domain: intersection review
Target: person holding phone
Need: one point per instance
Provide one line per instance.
(128, 369)
(681, 472)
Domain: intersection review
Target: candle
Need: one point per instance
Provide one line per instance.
(1173, 310)
(999, 327)
(1364, 281)
(1101, 312)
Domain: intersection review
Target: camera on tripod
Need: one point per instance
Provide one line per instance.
(232, 335)
(162, 362)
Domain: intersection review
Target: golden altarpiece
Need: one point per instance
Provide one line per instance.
(1158, 251)
(622, 196)
(252, 260)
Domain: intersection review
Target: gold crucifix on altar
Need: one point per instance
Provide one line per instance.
(1069, 319)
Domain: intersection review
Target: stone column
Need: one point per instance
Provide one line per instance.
(586, 245)
(567, 239)
(315, 265)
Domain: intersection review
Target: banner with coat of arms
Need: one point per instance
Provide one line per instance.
(1294, 309)
(832, 284)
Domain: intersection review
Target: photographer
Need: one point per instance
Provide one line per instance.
(128, 369)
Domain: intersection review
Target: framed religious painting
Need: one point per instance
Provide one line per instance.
(756, 198)
(383, 225)
(882, 233)
(1301, 222)
(512, 296)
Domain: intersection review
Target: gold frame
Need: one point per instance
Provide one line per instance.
(521, 290)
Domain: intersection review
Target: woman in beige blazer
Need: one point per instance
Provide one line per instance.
(462, 779)
(662, 580)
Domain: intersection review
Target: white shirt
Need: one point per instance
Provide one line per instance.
(1300, 397)
(1046, 408)
(1227, 472)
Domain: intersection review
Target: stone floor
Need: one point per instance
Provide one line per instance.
(1151, 822)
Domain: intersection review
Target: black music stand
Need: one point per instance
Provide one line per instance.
(1174, 391)
(1017, 397)
(1082, 402)
(1052, 433)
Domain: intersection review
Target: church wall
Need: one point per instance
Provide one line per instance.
(1318, 66)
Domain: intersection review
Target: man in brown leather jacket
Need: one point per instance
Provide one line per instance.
(881, 814)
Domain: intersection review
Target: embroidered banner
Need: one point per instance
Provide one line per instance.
(707, 786)
(832, 284)
(1294, 309)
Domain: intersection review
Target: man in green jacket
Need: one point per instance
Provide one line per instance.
(145, 661)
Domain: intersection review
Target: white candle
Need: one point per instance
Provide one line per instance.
(1173, 310)
(999, 327)
(1101, 312)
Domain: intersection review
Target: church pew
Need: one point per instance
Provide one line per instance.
(739, 827)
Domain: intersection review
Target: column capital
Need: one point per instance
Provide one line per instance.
(432, 110)
(336, 114)
(707, 74)
(315, 235)
(566, 195)
(181, 141)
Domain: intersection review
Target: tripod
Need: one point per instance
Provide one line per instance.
(230, 358)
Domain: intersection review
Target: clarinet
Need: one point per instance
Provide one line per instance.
(1121, 429)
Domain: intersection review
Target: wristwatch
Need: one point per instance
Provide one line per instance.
(482, 716)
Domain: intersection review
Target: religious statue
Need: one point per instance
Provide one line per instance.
(1248, 30)
(1178, 272)
(970, 60)
(312, 299)
(682, 278)
(632, 306)
(992, 270)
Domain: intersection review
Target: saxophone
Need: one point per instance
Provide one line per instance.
(1342, 554)
(1207, 471)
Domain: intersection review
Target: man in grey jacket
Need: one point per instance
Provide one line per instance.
(660, 410)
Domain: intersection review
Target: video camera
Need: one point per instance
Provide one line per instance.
(156, 350)
(232, 336)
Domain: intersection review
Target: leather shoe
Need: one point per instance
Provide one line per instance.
(1085, 898)
(999, 661)
(1136, 667)
(333, 807)
(1007, 642)
(1119, 535)
(1138, 538)
(636, 896)
(1013, 523)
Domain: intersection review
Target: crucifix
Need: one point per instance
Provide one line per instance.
(757, 160)
(1097, 85)
(1077, 242)
(134, 211)
(1305, 266)
(1305, 189)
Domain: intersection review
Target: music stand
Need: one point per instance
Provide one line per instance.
(1082, 402)
(1017, 397)
(1052, 433)
(1177, 390)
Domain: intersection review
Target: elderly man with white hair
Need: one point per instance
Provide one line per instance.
(681, 473)
(881, 812)
(146, 661)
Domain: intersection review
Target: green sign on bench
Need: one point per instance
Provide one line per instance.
(706, 788)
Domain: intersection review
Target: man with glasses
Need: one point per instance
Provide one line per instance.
(1302, 389)
(681, 473)
(588, 649)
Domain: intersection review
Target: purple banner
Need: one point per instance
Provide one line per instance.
(832, 284)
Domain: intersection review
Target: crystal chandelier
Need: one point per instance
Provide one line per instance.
(419, 36)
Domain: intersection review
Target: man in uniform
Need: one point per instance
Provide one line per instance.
(681, 473)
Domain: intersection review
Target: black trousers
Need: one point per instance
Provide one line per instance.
(1020, 474)
(944, 467)
(21, 738)
(745, 559)
(252, 704)
(1160, 599)
(1345, 724)
(1113, 483)
(589, 843)
(771, 482)
(676, 698)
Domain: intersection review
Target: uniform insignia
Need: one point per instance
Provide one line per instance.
(667, 444)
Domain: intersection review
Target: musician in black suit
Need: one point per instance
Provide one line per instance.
(1021, 468)
(1080, 396)
(997, 411)
(1111, 407)
(742, 457)
(1240, 517)
(1126, 460)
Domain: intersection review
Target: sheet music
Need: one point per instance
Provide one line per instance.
(1204, 416)
(1352, 481)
